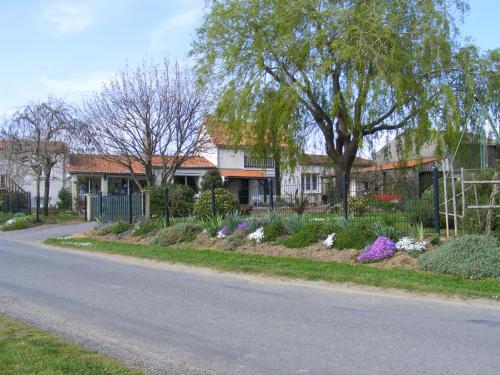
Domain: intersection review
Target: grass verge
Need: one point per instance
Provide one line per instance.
(296, 268)
(28, 350)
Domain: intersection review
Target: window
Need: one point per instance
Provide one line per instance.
(309, 182)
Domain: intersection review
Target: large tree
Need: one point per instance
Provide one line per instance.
(154, 110)
(355, 68)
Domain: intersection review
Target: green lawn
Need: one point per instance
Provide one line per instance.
(296, 268)
(27, 350)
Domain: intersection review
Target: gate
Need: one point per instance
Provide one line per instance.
(110, 208)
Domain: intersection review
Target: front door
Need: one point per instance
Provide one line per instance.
(243, 192)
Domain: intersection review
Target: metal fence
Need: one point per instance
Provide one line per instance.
(403, 201)
(126, 208)
(15, 202)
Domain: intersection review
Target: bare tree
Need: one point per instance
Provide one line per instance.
(150, 113)
(38, 137)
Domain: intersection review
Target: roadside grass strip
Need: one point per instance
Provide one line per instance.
(25, 349)
(297, 268)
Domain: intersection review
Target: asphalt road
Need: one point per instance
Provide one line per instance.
(176, 320)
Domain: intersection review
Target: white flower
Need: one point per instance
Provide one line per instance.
(72, 243)
(410, 245)
(258, 235)
(220, 235)
(329, 240)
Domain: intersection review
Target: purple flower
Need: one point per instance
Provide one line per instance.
(242, 225)
(224, 232)
(380, 249)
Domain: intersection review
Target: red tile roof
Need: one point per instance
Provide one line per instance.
(117, 164)
(312, 159)
(242, 173)
(399, 165)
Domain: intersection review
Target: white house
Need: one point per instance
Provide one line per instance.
(15, 176)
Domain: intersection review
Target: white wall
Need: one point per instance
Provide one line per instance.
(231, 159)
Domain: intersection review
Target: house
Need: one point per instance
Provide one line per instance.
(16, 175)
(93, 174)
(248, 176)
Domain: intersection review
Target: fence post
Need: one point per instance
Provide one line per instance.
(271, 193)
(37, 209)
(212, 190)
(130, 218)
(17, 202)
(344, 194)
(28, 204)
(100, 205)
(166, 210)
(436, 199)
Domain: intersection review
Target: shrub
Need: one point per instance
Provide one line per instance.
(18, 222)
(382, 248)
(180, 200)
(294, 223)
(225, 202)
(381, 230)
(355, 206)
(273, 230)
(182, 232)
(307, 235)
(234, 240)
(144, 226)
(65, 200)
(421, 211)
(211, 177)
(470, 256)
(211, 225)
(354, 236)
(114, 228)
(298, 202)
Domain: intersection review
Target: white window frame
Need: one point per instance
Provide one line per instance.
(309, 182)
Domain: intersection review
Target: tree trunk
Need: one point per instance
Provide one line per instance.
(37, 197)
(277, 176)
(46, 190)
(344, 166)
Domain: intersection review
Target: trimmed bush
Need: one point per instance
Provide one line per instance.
(225, 202)
(354, 236)
(65, 200)
(182, 232)
(180, 200)
(310, 233)
(114, 228)
(211, 177)
(470, 256)
(355, 206)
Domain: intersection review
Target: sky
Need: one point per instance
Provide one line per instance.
(67, 48)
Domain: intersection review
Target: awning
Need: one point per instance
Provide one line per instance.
(242, 173)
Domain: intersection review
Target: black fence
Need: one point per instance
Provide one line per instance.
(126, 208)
(15, 202)
(400, 200)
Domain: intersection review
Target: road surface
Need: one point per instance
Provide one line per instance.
(180, 320)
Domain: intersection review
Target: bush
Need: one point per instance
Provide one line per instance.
(180, 200)
(182, 232)
(65, 200)
(354, 236)
(470, 256)
(114, 228)
(310, 233)
(211, 177)
(225, 202)
(294, 223)
(17, 222)
(234, 240)
(355, 206)
(273, 230)
(145, 226)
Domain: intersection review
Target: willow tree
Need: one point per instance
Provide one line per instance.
(356, 69)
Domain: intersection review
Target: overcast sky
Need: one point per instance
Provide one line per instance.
(68, 47)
